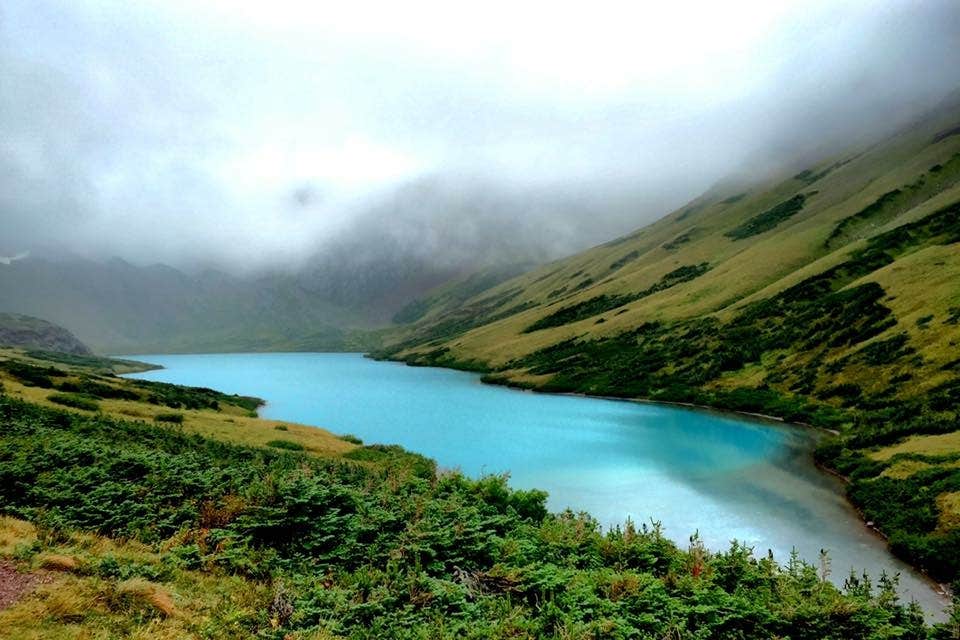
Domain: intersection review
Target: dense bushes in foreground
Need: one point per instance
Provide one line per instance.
(382, 546)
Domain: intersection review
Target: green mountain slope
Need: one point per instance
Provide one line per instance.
(829, 296)
(118, 307)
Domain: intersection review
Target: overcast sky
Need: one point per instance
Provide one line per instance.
(246, 132)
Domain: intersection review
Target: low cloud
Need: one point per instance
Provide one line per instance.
(250, 136)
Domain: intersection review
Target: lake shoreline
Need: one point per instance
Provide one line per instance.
(933, 593)
(943, 589)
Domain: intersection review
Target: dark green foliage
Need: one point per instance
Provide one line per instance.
(395, 457)
(441, 357)
(886, 351)
(583, 284)
(370, 551)
(89, 362)
(685, 273)
(736, 198)
(809, 176)
(769, 218)
(289, 445)
(626, 259)
(945, 397)
(941, 227)
(30, 375)
(892, 203)
(88, 386)
(681, 239)
(580, 311)
(847, 392)
(75, 401)
(602, 303)
(179, 397)
(173, 418)
(907, 508)
(349, 437)
(673, 362)
(868, 212)
(946, 133)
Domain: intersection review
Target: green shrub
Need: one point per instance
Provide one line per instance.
(624, 260)
(372, 550)
(96, 389)
(174, 418)
(30, 375)
(349, 437)
(75, 401)
(603, 303)
(768, 219)
(285, 444)
(180, 397)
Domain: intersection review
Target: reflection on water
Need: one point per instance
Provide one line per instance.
(726, 477)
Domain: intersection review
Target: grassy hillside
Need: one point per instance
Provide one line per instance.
(89, 386)
(829, 296)
(119, 528)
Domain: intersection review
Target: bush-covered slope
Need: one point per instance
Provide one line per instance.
(831, 296)
(233, 541)
(89, 385)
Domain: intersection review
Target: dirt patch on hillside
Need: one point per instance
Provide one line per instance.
(14, 585)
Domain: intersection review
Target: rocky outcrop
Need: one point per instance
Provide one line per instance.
(33, 333)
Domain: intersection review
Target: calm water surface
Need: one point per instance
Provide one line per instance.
(729, 478)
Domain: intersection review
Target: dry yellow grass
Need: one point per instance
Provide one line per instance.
(14, 533)
(938, 445)
(58, 562)
(137, 593)
(68, 605)
(949, 506)
(903, 469)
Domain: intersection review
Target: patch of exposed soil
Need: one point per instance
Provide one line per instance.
(15, 585)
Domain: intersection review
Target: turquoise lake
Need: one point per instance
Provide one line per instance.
(727, 477)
